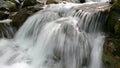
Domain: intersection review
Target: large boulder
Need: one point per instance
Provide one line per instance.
(111, 53)
(114, 19)
(20, 17)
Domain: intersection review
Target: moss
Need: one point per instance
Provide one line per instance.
(116, 6)
(3, 15)
(111, 54)
(29, 3)
(117, 28)
(9, 5)
(51, 1)
(112, 22)
(117, 47)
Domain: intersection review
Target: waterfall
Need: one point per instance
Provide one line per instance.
(5, 29)
(59, 36)
(98, 0)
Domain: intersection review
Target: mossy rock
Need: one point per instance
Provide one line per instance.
(117, 28)
(116, 6)
(3, 15)
(29, 3)
(111, 54)
(20, 17)
(113, 18)
(51, 2)
(17, 4)
(8, 5)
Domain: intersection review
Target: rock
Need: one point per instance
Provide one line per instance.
(8, 5)
(17, 2)
(82, 1)
(104, 8)
(112, 1)
(19, 17)
(29, 3)
(51, 1)
(6, 30)
(12, 14)
(1, 2)
(57, 1)
(111, 53)
(114, 16)
(117, 27)
(4, 15)
(7, 21)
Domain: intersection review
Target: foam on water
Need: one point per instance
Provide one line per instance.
(56, 37)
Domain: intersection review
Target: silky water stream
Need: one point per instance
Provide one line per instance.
(64, 35)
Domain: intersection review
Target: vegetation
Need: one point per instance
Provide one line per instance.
(111, 54)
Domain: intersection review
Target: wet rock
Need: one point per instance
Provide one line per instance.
(17, 2)
(113, 18)
(8, 5)
(117, 27)
(51, 1)
(29, 3)
(58, 1)
(6, 30)
(20, 17)
(4, 15)
(7, 21)
(82, 1)
(12, 14)
(111, 54)
(112, 1)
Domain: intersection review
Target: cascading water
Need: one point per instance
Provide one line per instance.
(6, 30)
(98, 0)
(60, 36)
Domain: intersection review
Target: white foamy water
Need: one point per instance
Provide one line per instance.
(97, 0)
(60, 36)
